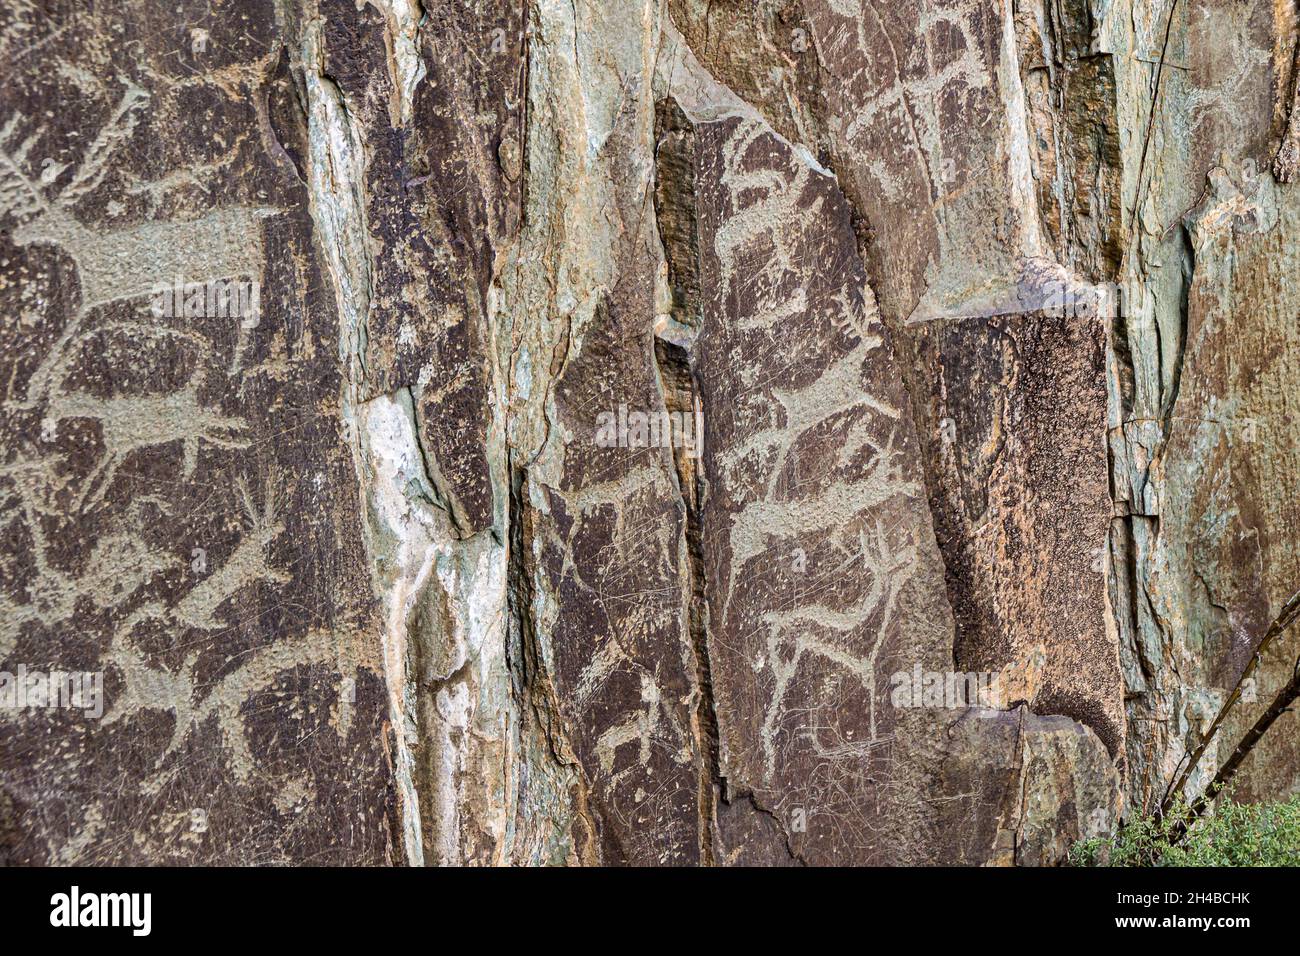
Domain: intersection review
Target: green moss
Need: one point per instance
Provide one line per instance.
(1233, 834)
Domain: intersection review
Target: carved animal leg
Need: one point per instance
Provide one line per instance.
(98, 481)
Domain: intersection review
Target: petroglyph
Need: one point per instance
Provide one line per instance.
(123, 262)
(369, 580)
(153, 530)
(131, 423)
(789, 416)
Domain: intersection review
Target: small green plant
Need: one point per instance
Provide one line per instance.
(1233, 834)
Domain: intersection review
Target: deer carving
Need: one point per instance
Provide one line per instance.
(131, 422)
(115, 263)
(121, 262)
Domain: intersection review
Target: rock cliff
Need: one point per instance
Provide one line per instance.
(661, 432)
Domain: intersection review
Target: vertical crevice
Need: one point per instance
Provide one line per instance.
(542, 738)
(1187, 264)
(1151, 118)
(519, 590)
(524, 93)
(1287, 159)
(336, 176)
(682, 403)
(676, 329)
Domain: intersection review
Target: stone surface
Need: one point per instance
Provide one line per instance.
(657, 432)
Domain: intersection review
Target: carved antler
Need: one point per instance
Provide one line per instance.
(18, 193)
(114, 133)
(22, 196)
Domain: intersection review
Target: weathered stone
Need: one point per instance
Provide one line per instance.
(180, 506)
(661, 432)
(1023, 788)
(1020, 497)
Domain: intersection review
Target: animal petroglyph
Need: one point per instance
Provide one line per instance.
(122, 262)
(361, 531)
(819, 463)
(116, 263)
(904, 90)
(887, 563)
(200, 609)
(235, 631)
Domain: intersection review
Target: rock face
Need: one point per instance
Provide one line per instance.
(669, 432)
